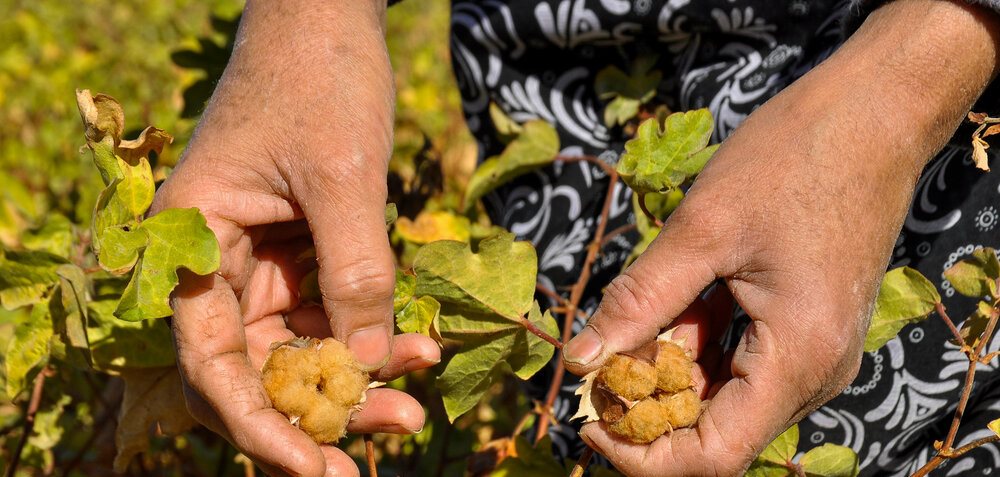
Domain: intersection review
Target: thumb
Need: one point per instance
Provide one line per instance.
(356, 268)
(646, 297)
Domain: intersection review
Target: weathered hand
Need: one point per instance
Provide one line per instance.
(292, 152)
(798, 213)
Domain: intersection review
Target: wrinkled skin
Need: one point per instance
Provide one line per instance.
(797, 213)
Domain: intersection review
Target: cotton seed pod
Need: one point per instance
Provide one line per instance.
(642, 424)
(673, 368)
(628, 377)
(316, 384)
(682, 408)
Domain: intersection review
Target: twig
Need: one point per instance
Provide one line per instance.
(248, 469)
(582, 463)
(624, 229)
(575, 295)
(370, 454)
(519, 428)
(591, 159)
(642, 206)
(539, 333)
(544, 290)
(29, 421)
(951, 325)
(954, 454)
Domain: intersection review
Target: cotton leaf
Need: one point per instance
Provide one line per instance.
(660, 160)
(175, 238)
(830, 460)
(119, 345)
(28, 350)
(535, 147)
(26, 276)
(490, 343)
(994, 426)
(976, 275)
(975, 325)
(152, 397)
(433, 226)
(418, 315)
(406, 284)
(506, 127)
(586, 410)
(499, 279)
(904, 297)
(774, 460)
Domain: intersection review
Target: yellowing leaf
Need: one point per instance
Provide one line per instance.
(994, 426)
(506, 127)
(418, 315)
(658, 161)
(904, 297)
(175, 238)
(490, 344)
(774, 460)
(29, 349)
(55, 236)
(118, 345)
(406, 284)
(627, 91)
(500, 279)
(433, 226)
(976, 275)
(535, 147)
(152, 397)
(26, 276)
(620, 110)
(830, 460)
(975, 325)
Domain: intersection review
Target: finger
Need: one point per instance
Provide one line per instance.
(212, 355)
(310, 321)
(692, 329)
(410, 352)
(275, 276)
(767, 394)
(645, 298)
(356, 269)
(261, 334)
(339, 464)
(388, 410)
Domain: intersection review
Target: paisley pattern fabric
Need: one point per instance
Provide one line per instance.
(539, 58)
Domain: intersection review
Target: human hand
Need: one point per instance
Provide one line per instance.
(797, 212)
(292, 153)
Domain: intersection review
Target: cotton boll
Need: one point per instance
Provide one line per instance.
(628, 377)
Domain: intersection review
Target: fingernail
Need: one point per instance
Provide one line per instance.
(584, 348)
(370, 346)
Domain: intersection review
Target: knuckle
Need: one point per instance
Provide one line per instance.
(365, 280)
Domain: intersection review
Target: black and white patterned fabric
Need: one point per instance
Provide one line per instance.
(539, 58)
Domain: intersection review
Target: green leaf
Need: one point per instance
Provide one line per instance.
(69, 321)
(976, 276)
(418, 315)
(657, 161)
(29, 349)
(975, 325)
(531, 461)
(774, 460)
(391, 214)
(994, 426)
(47, 430)
(904, 297)
(506, 127)
(535, 147)
(406, 284)
(830, 460)
(620, 110)
(118, 345)
(26, 276)
(121, 248)
(491, 344)
(627, 91)
(500, 279)
(176, 238)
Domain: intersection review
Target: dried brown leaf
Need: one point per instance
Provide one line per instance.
(979, 156)
(978, 118)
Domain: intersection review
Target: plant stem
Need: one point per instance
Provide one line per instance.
(941, 457)
(951, 324)
(575, 295)
(370, 454)
(248, 469)
(624, 229)
(582, 463)
(544, 290)
(539, 333)
(29, 421)
(649, 215)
